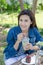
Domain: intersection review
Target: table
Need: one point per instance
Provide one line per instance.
(19, 62)
(40, 61)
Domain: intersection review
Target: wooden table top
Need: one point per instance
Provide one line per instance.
(40, 61)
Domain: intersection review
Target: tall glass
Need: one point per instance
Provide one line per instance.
(39, 57)
(25, 41)
(39, 54)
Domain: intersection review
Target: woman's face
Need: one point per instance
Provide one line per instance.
(24, 22)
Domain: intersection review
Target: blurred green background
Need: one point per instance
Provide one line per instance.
(9, 10)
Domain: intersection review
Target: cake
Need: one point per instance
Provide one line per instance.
(28, 59)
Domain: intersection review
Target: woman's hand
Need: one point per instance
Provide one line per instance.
(28, 46)
(20, 37)
(36, 48)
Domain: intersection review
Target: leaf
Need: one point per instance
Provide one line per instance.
(39, 43)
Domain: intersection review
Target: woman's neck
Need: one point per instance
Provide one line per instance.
(25, 33)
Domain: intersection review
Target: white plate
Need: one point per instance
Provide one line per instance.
(32, 60)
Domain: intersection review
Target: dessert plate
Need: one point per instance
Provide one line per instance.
(31, 62)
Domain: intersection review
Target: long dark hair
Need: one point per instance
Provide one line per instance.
(30, 14)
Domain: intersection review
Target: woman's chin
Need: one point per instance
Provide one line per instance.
(24, 29)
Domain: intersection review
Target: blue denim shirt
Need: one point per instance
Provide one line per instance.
(10, 51)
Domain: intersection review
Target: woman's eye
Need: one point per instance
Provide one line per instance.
(26, 20)
(21, 20)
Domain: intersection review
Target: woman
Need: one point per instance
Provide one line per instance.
(26, 28)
